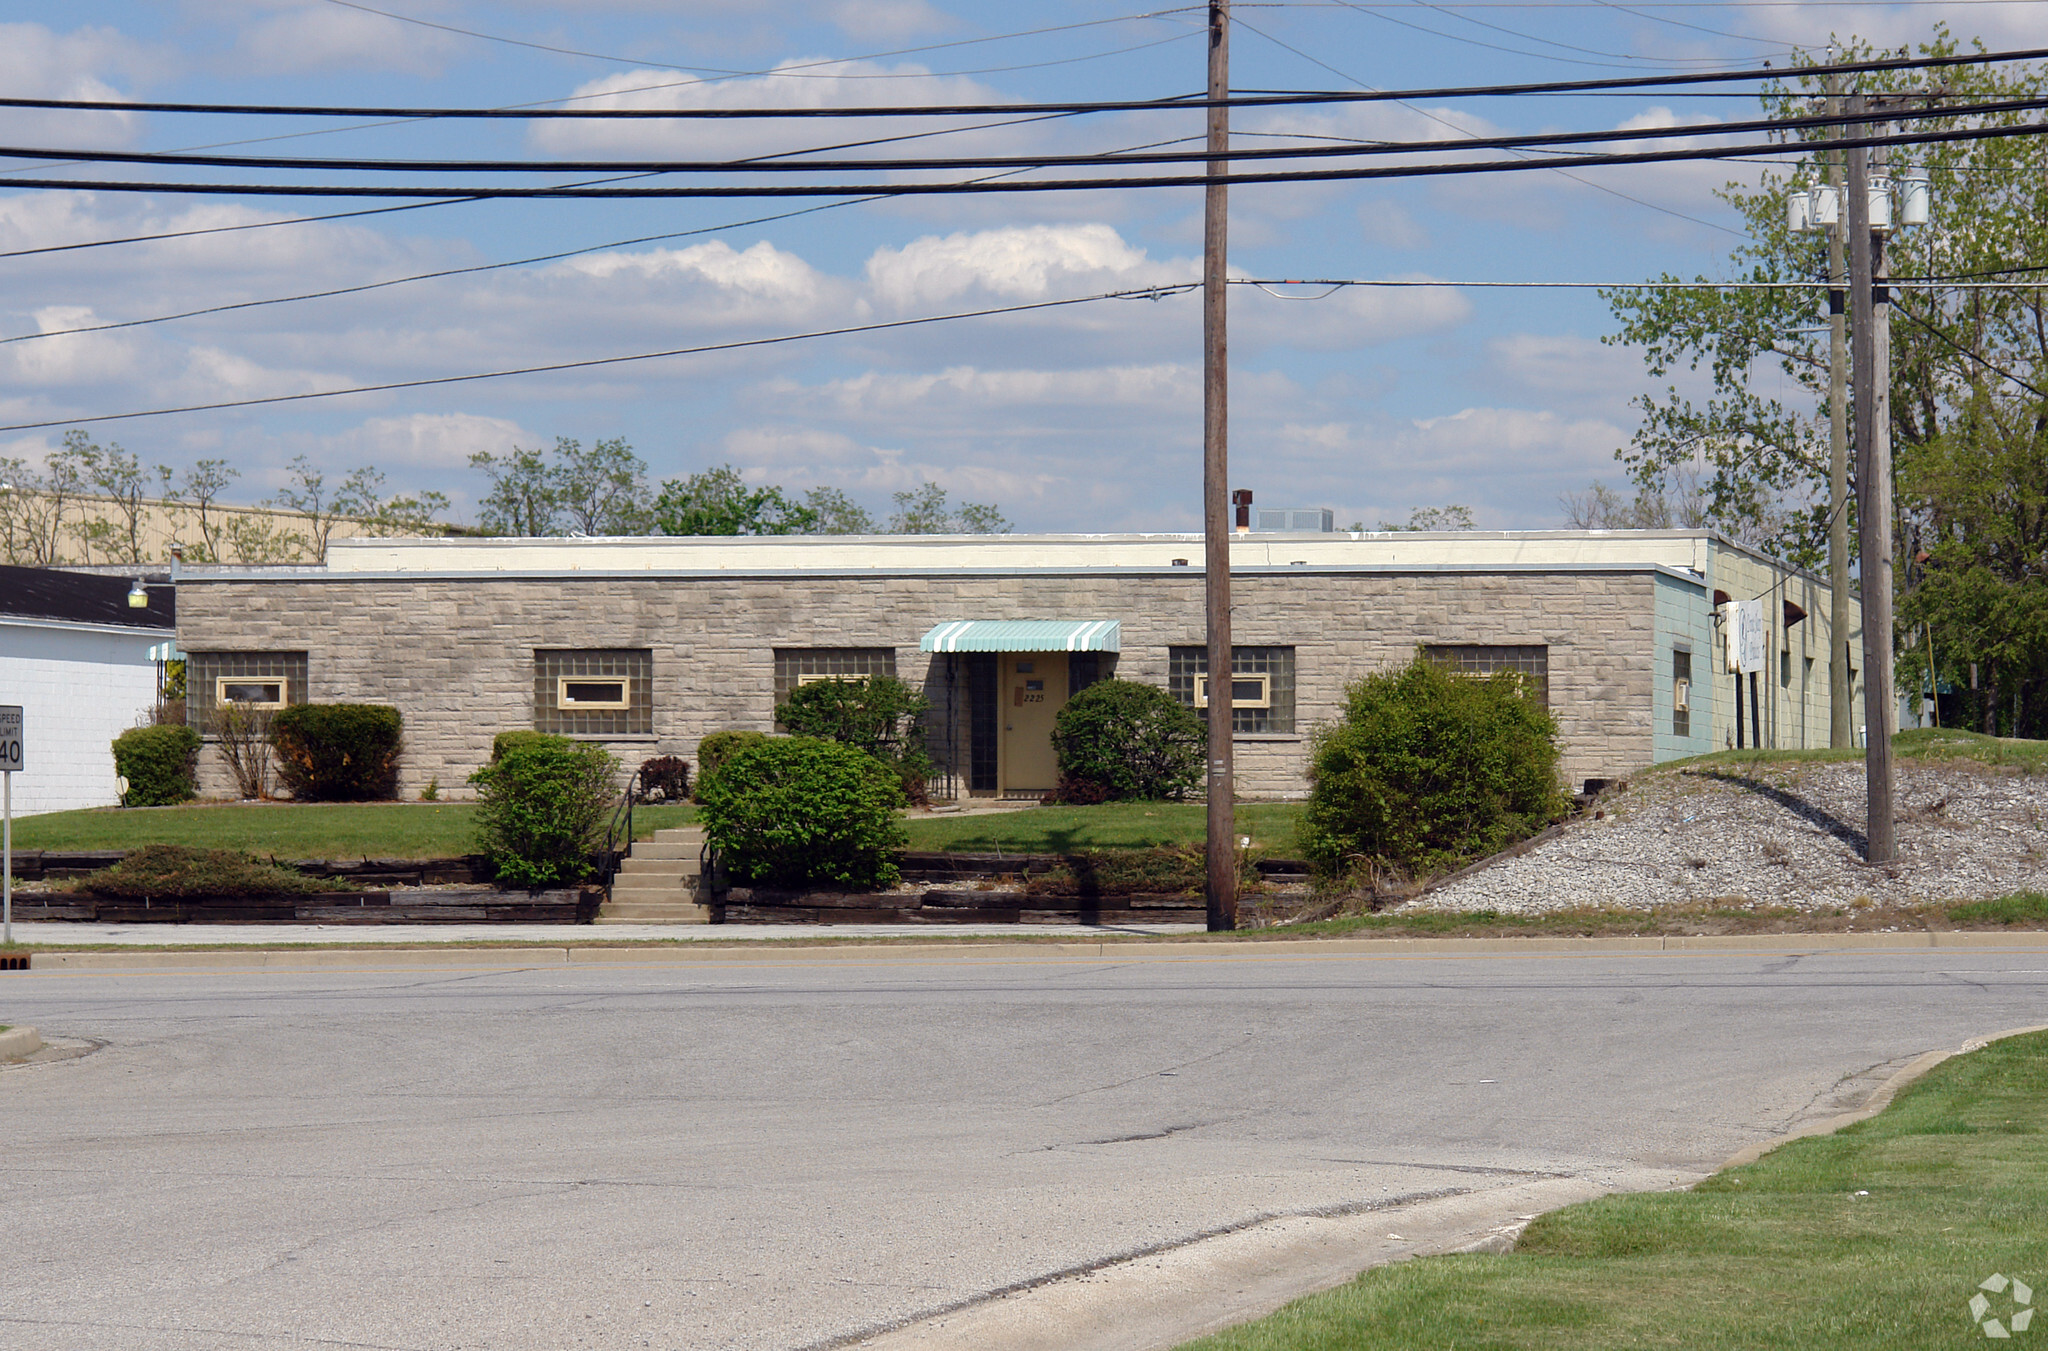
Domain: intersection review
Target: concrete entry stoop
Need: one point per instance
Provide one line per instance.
(660, 881)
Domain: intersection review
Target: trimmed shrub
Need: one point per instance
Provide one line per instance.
(796, 810)
(170, 872)
(337, 752)
(665, 778)
(1119, 740)
(523, 736)
(161, 765)
(1429, 770)
(715, 749)
(539, 808)
(878, 714)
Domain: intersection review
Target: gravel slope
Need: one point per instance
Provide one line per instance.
(1777, 834)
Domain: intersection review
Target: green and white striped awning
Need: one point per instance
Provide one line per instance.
(1024, 635)
(166, 652)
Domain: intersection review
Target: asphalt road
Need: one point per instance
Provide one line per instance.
(781, 1153)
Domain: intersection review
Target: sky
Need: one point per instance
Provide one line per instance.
(1369, 401)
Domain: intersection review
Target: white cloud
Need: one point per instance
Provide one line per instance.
(86, 63)
(438, 439)
(322, 37)
(1035, 262)
(807, 82)
(868, 20)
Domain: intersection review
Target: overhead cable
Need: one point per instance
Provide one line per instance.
(1305, 97)
(782, 163)
(1135, 293)
(984, 187)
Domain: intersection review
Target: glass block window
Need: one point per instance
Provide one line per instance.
(594, 692)
(259, 679)
(1681, 692)
(796, 665)
(1257, 670)
(1531, 662)
(1085, 668)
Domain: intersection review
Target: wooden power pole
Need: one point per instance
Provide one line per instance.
(1841, 717)
(1221, 888)
(1868, 311)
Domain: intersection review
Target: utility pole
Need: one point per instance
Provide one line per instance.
(1870, 317)
(1841, 718)
(1221, 878)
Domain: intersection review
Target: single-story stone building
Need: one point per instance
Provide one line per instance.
(648, 644)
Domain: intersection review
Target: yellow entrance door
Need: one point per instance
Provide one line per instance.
(1034, 690)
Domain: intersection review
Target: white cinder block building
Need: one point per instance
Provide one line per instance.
(82, 663)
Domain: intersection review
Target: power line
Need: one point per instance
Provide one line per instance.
(1442, 121)
(223, 229)
(781, 163)
(1144, 292)
(1282, 99)
(461, 271)
(984, 187)
(722, 73)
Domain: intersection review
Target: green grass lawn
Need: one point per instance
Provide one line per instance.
(1925, 743)
(288, 830)
(1875, 1237)
(442, 829)
(1115, 825)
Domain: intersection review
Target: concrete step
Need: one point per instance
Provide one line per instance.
(654, 888)
(667, 849)
(680, 835)
(660, 867)
(615, 913)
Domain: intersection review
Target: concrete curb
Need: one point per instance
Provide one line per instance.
(1878, 1100)
(317, 959)
(19, 1043)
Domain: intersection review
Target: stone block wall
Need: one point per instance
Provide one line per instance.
(455, 653)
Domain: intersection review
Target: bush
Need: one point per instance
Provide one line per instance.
(169, 872)
(715, 749)
(243, 735)
(161, 765)
(795, 810)
(878, 714)
(523, 736)
(1119, 740)
(337, 752)
(665, 778)
(1429, 770)
(539, 807)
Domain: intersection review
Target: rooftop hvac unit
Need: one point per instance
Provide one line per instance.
(1314, 518)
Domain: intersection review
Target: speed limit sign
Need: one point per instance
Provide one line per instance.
(10, 738)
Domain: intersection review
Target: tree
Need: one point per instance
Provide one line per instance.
(603, 490)
(600, 491)
(837, 514)
(199, 488)
(925, 511)
(356, 497)
(718, 502)
(1967, 374)
(1452, 517)
(522, 499)
(1764, 455)
(118, 476)
(1601, 508)
(37, 505)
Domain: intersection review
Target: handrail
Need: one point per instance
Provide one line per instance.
(621, 814)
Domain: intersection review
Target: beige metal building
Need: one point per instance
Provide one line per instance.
(648, 644)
